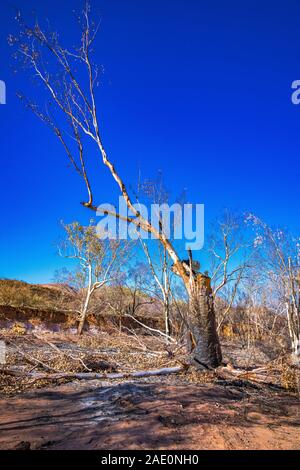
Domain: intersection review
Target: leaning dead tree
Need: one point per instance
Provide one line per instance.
(70, 78)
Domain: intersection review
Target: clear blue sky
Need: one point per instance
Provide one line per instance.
(198, 89)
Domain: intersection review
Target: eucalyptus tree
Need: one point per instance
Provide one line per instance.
(99, 262)
(70, 78)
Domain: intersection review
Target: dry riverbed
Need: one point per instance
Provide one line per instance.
(181, 411)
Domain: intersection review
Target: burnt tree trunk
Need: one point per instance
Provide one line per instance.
(205, 346)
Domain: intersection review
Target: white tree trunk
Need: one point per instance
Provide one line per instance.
(167, 318)
(86, 302)
(293, 322)
(296, 350)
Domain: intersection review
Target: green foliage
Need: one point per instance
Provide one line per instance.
(99, 254)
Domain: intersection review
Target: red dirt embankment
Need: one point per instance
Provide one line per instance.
(55, 320)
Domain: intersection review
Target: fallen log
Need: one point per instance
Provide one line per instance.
(96, 376)
(261, 375)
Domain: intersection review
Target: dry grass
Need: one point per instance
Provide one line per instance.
(21, 294)
(62, 352)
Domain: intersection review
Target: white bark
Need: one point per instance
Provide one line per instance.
(89, 292)
(296, 350)
(98, 376)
